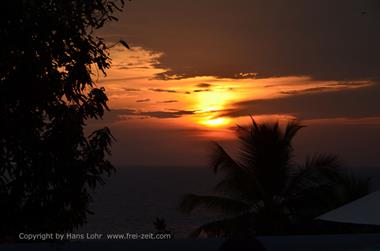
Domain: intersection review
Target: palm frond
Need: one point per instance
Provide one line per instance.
(237, 181)
(254, 123)
(314, 201)
(222, 161)
(266, 154)
(241, 187)
(322, 160)
(265, 191)
(318, 170)
(349, 188)
(291, 129)
(319, 186)
(215, 203)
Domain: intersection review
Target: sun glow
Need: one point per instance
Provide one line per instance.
(210, 104)
(202, 101)
(215, 122)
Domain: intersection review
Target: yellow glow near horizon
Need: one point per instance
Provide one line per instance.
(215, 122)
(209, 105)
(198, 101)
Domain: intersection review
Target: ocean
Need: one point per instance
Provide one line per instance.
(133, 197)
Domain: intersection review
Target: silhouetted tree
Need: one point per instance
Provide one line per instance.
(266, 192)
(48, 165)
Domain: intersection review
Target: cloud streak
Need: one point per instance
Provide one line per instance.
(330, 87)
(131, 89)
(168, 101)
(154, 114)
(203, 85)
(201, 90)
(349, 103)
(162, 90)
(143, 100)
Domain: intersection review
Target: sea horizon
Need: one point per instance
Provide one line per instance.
(134, 196)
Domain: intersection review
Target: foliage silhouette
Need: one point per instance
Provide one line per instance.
(49, 56)
(266, 192)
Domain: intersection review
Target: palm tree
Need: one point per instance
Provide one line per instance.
(266, 192)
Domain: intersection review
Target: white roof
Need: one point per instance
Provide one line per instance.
(365, 210)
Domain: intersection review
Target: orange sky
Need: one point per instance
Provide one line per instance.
(198, 68)
(200, 101)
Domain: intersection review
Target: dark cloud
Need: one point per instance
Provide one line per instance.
(330, 87)
(131, 89)
(203, 85)
(201, 90)
(325, 39)
(314, 89)
(358, 102)
(349, 84)
(162, 90)
(143, 100)
(133, 67)
(164, 114)
(122, 80)
(168, 101)
(153, 114)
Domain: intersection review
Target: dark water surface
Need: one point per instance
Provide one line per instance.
(134, 196)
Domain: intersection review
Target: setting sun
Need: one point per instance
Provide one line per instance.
(210, 103)
(215, 122)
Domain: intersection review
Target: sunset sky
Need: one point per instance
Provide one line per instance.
(197, 68)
